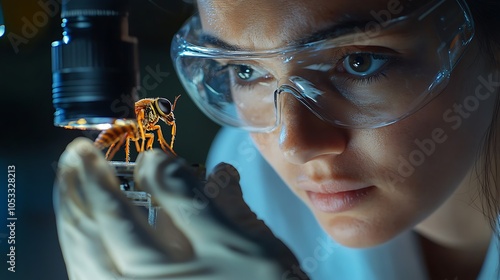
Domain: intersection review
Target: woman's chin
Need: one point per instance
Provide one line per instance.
(355, 233)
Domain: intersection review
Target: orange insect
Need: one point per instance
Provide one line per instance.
(148, 112)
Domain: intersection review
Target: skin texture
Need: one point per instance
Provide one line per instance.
(438, 199)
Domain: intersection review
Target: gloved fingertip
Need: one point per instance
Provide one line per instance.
(146, 163)
(155, 168)
(82, 144)
(139, 159)
(68, 160)
(79, 149)
(83, 171)
(64, 178)
(226, 168)
(85, 148)
(150, 155)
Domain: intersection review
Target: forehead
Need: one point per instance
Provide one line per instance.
(265, 24)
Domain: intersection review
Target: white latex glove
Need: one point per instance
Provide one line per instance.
(103, 236)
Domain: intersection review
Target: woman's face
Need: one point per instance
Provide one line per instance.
(364, 186)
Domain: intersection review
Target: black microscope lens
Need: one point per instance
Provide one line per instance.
(95, 65)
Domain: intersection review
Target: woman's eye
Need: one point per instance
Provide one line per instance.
(364, 64)
(248, 73)
(243, 72)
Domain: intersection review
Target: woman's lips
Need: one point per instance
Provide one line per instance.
(335, 196)
(339, 201)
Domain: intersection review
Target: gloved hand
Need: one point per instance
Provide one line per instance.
(103, 236)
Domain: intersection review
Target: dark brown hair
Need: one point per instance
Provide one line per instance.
(487, 22)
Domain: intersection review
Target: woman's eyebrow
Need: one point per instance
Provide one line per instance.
(332, 31)
(337, 29)
(211, 40)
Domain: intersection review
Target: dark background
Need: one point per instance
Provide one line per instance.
(29, 140)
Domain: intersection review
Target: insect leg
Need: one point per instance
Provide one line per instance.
(140, 119)
(115, 147)
(162, 141)
(150, 137)
(127, 148)
(174, 131)
(109, 150)
(136, 141)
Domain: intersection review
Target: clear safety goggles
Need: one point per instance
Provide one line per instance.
(367, 78)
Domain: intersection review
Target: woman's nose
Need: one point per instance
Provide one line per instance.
(304, 136)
